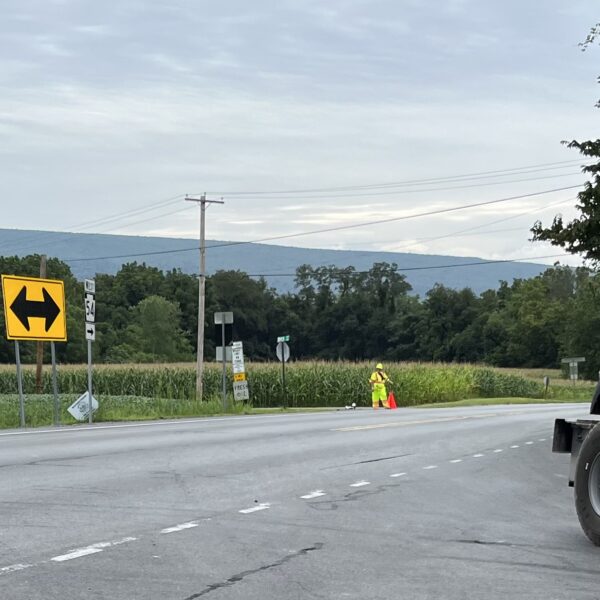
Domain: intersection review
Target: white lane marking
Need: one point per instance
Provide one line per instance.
(315, 494)
(528, 443)
(456, 460)
(542, 440)
(360, 483)
(239, 418)
(14, 568)
(515, 446)
(478, 455)
(262, 506)
(429, 467)
(180, 527)
(397, 474)
(76, 554)
(498, 450)
(92, 549)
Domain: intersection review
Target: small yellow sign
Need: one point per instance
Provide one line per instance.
(34, 309)
(239, 376)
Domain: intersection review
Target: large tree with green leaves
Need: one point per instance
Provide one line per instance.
(582, 234)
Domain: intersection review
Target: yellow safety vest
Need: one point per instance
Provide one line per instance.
(378, 378)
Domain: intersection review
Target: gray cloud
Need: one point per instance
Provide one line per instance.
(107, 106)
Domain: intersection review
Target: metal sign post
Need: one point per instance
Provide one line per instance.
(222, 319)
(55, 386)
(90, 335)
(283, 354)
(20, 385)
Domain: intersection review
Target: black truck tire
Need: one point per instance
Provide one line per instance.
(587, 485)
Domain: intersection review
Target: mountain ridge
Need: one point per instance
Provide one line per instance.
(91, 253)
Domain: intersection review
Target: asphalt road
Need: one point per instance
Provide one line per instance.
(419, 504)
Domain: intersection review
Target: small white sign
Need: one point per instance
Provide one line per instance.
(90, 332)
(90, 308)
(237, 357)
(90, 286)
(219, 356)
(240, 390)
(80, 409)
(283, 352)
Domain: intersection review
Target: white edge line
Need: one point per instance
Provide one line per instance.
(263, 506)
(75, 429)
(180, 527)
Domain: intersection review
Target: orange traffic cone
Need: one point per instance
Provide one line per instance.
(392, 400)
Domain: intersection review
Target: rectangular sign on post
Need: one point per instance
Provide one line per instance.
(240, 390)
(80, 409)
(34, 309)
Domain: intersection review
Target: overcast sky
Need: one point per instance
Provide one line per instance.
(113, 106)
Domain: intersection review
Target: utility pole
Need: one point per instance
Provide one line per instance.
(202, 201)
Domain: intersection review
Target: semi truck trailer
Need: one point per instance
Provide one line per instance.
(581, 439)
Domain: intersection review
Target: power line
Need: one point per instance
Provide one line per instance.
(427, 268)
(371, 194)
(395, 219)
(329, 229)
(480, 175)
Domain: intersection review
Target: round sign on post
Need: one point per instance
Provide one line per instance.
(283, 352)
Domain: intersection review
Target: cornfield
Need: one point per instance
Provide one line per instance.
(308, 384)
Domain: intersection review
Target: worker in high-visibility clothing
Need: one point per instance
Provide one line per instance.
(378, 380)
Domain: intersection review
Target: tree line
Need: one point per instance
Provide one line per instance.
(146, 315)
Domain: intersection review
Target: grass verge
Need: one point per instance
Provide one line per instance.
(493, 401)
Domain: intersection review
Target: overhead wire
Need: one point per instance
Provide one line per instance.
(331, 229)
(478, 175)
(479, 263)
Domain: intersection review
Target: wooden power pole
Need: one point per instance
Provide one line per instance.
(201, 290)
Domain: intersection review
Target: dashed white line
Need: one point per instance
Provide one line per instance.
(528, 443)
(315, 494)
(456, 460)
(515, 446)
(360, 484)
(261, 506)
(498, 450)
(14, 568)
(180, 527)
(478, 455)
(428, 467)
(397, 474)
(542, 440)
(92, 549)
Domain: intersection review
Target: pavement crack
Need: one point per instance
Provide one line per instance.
(364, 462)
(241, 576)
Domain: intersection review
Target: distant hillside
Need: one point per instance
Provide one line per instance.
(96, 250)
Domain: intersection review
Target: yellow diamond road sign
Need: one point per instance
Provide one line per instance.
(34, 309)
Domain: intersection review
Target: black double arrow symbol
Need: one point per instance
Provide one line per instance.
(25, 309)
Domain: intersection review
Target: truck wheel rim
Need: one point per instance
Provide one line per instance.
(594, 484)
